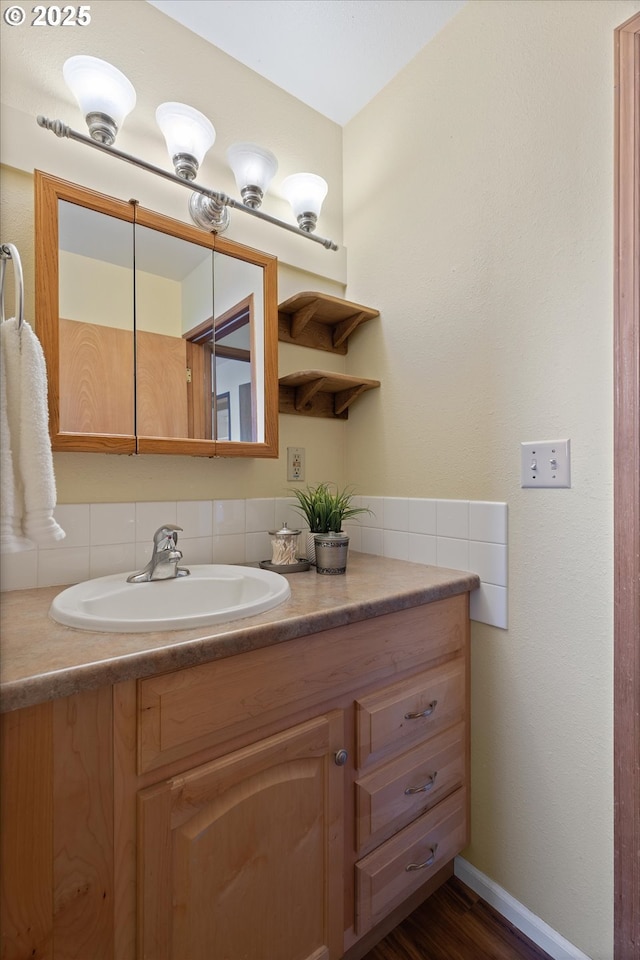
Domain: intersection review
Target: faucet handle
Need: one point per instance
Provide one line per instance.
(168, 531)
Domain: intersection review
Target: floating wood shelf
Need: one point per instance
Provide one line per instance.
(320, 321)
(319, 393)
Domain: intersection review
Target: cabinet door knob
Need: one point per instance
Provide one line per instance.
(425, 863)
(341, 758)
(423, 788)
(424, 713)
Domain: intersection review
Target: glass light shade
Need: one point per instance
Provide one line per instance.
(100, 89)
(187, 132)
(305, 192)
(254, 168)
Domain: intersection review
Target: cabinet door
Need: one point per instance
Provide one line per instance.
(240, 859)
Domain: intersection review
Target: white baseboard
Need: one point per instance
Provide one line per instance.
(516, 913)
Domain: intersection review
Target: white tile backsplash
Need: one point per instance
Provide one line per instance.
(150, 516)
(488, 521)
(19, 571)
(489, 561)
(115, 558)
(198, 549)
(260, 516)
(285, 512)
(69, 565)
(375, 505)
(461, 534)
(75, 520)
(355, 536)
(395, 514)
(113, 523)
(395, 544)
(257, 546)
(489, 605)
(229, 516)
(452, 518)
(452, 552)
(422, 548)
(105, 538)
(229, 548)
(143, 550)
(372, 541)
(195, 517)
(422, 516)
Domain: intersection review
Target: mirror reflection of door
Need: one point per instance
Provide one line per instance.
(233, 380)
(95, 331)
(229, 375)
(222, 415)
(173, 295)
(233, 368)
(239, 344)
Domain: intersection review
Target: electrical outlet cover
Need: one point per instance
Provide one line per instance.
(295, 464)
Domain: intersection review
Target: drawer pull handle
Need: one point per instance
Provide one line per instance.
(424, 788)
(341, 758)
(425, 863)
(425, 713)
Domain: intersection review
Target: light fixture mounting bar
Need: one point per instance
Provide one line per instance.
(62, 130)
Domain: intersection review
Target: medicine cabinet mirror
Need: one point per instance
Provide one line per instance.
(158, 337)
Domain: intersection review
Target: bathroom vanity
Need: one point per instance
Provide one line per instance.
(285, 787)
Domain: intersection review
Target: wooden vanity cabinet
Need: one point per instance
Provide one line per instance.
(242, 856)
(291, 802)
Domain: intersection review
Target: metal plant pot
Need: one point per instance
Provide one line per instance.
(331, 552)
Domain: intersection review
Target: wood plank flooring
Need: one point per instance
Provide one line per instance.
(455, 924)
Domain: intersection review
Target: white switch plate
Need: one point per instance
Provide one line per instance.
(295, 464)
(546, 463)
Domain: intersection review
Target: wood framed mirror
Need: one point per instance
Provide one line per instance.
(158, 337)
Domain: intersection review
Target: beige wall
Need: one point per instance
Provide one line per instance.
(478, 217)
(165, 61)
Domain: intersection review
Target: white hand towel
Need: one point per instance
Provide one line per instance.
(11, 539)
(27, 416)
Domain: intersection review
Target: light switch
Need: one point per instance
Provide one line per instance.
(546, 463)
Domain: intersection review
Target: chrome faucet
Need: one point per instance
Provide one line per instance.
(164, 558)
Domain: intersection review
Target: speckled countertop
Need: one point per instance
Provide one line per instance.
(42, 660)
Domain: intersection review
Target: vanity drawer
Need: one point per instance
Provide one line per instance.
(398, 867)
(398, 792)
(207, 705)
(410, 710)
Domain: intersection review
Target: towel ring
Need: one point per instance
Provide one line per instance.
(9, 252)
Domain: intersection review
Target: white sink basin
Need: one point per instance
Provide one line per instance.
(213, 593)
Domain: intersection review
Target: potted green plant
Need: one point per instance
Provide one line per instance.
(326, 508)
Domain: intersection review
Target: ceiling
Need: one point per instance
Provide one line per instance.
(334, 55)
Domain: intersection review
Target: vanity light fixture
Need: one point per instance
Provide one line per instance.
(106, 96)
(305, 192)
(188, 135)
(254, 168)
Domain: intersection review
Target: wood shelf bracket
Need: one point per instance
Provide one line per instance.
(306, 392)
(301, 318)
(320, 321)
(320, 393)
